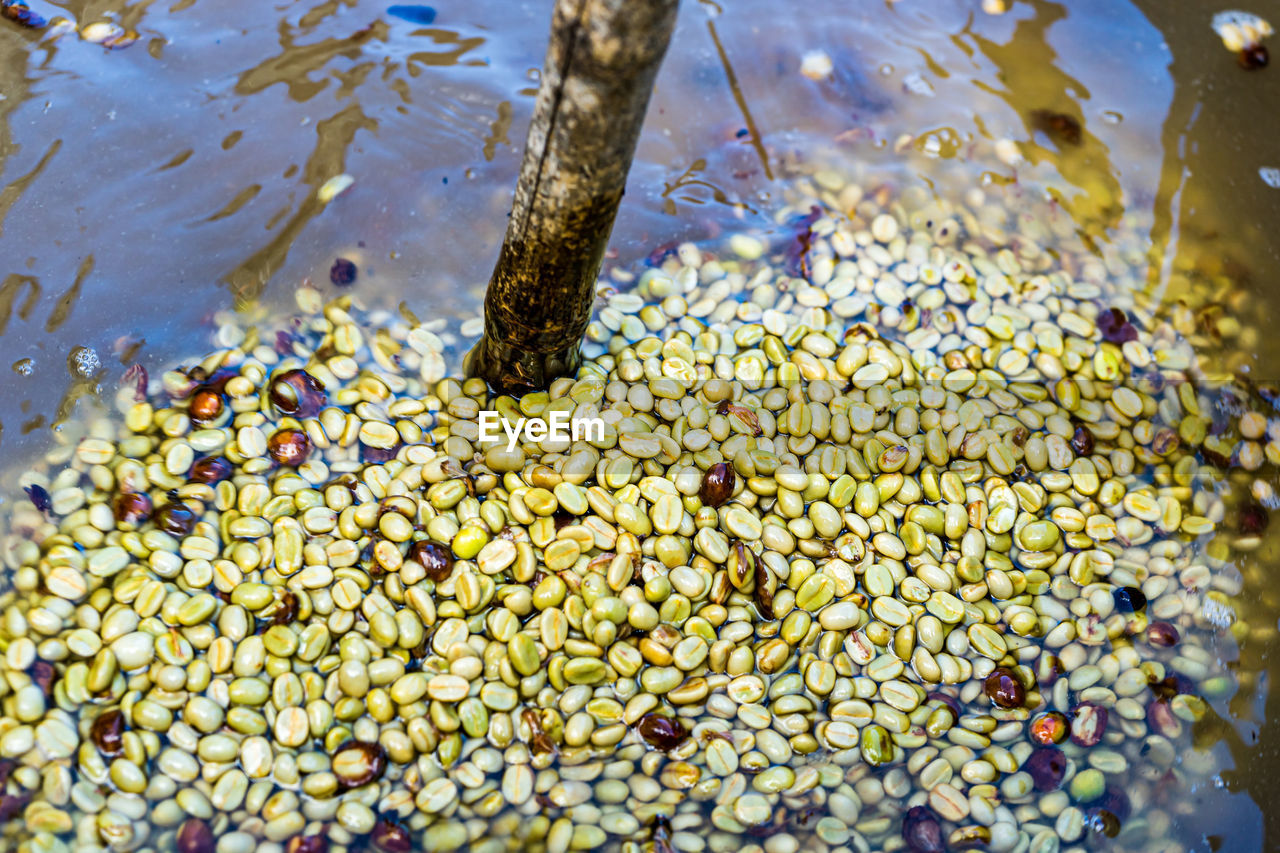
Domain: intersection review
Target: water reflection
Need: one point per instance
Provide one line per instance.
(1051, 103)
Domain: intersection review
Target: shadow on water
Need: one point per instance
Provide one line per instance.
(145, 190)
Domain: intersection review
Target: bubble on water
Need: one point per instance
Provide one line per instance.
(24, 366)
(84, 362)
(334, 187)
(1270, 176)
(917, 85)
(816, 65)
(1217, 614)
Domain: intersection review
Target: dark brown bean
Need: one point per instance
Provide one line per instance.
(343, 272)
(206, 406)
(660, 834)
(718, 484)
(1004, 689)
(1162, 634)
(766, 589)
(1046, 767)
(1252, 518)
(42, 675)
(175, 518)
(379, 455)
(391, 837)
(137, 374)
(194, 836)
(747, 416)
(1253, 57)
(921, 831)
(742, 565)
(307, 844)
(132, 507)
(1161, 719)
(297, 393)
(108, 733)
(22, 15)
(210, 470)
(1102, 821)
(1082, 441)
(539, 740)
(1115, 800)
(437, 559)
(969, 838)
(289, 447)
(1115, 326)
(662, 732)
(11, 805)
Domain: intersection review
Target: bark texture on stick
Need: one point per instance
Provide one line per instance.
(601, 64)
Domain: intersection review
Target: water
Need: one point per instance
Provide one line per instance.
(145, 190)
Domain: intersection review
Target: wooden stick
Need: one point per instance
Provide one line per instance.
(600, 67)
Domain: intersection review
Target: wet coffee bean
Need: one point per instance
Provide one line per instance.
(11, 805)
(206, 406)
(297, 393)
(1253, 57)
(1115, 327)
(287, 610)
(175, 518)
(662, 732)
(391, 837)
(1115, 800)
(1161, 719)
(194, 836)
(717, 484)
(1103, 822)
(1046, 766)
(289, 447)
(1252, 518)
(343, 272)
(39, 497)
(1082, 441)
(107, 733)
(1050, 728)
(358, 762)
(437, 559)
(1129, 599)
(1004, 689)
(921, 831)
(132, 507)
(42, 675)
(1162, 634)
(210, 470)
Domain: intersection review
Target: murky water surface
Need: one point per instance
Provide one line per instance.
(145, 190)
